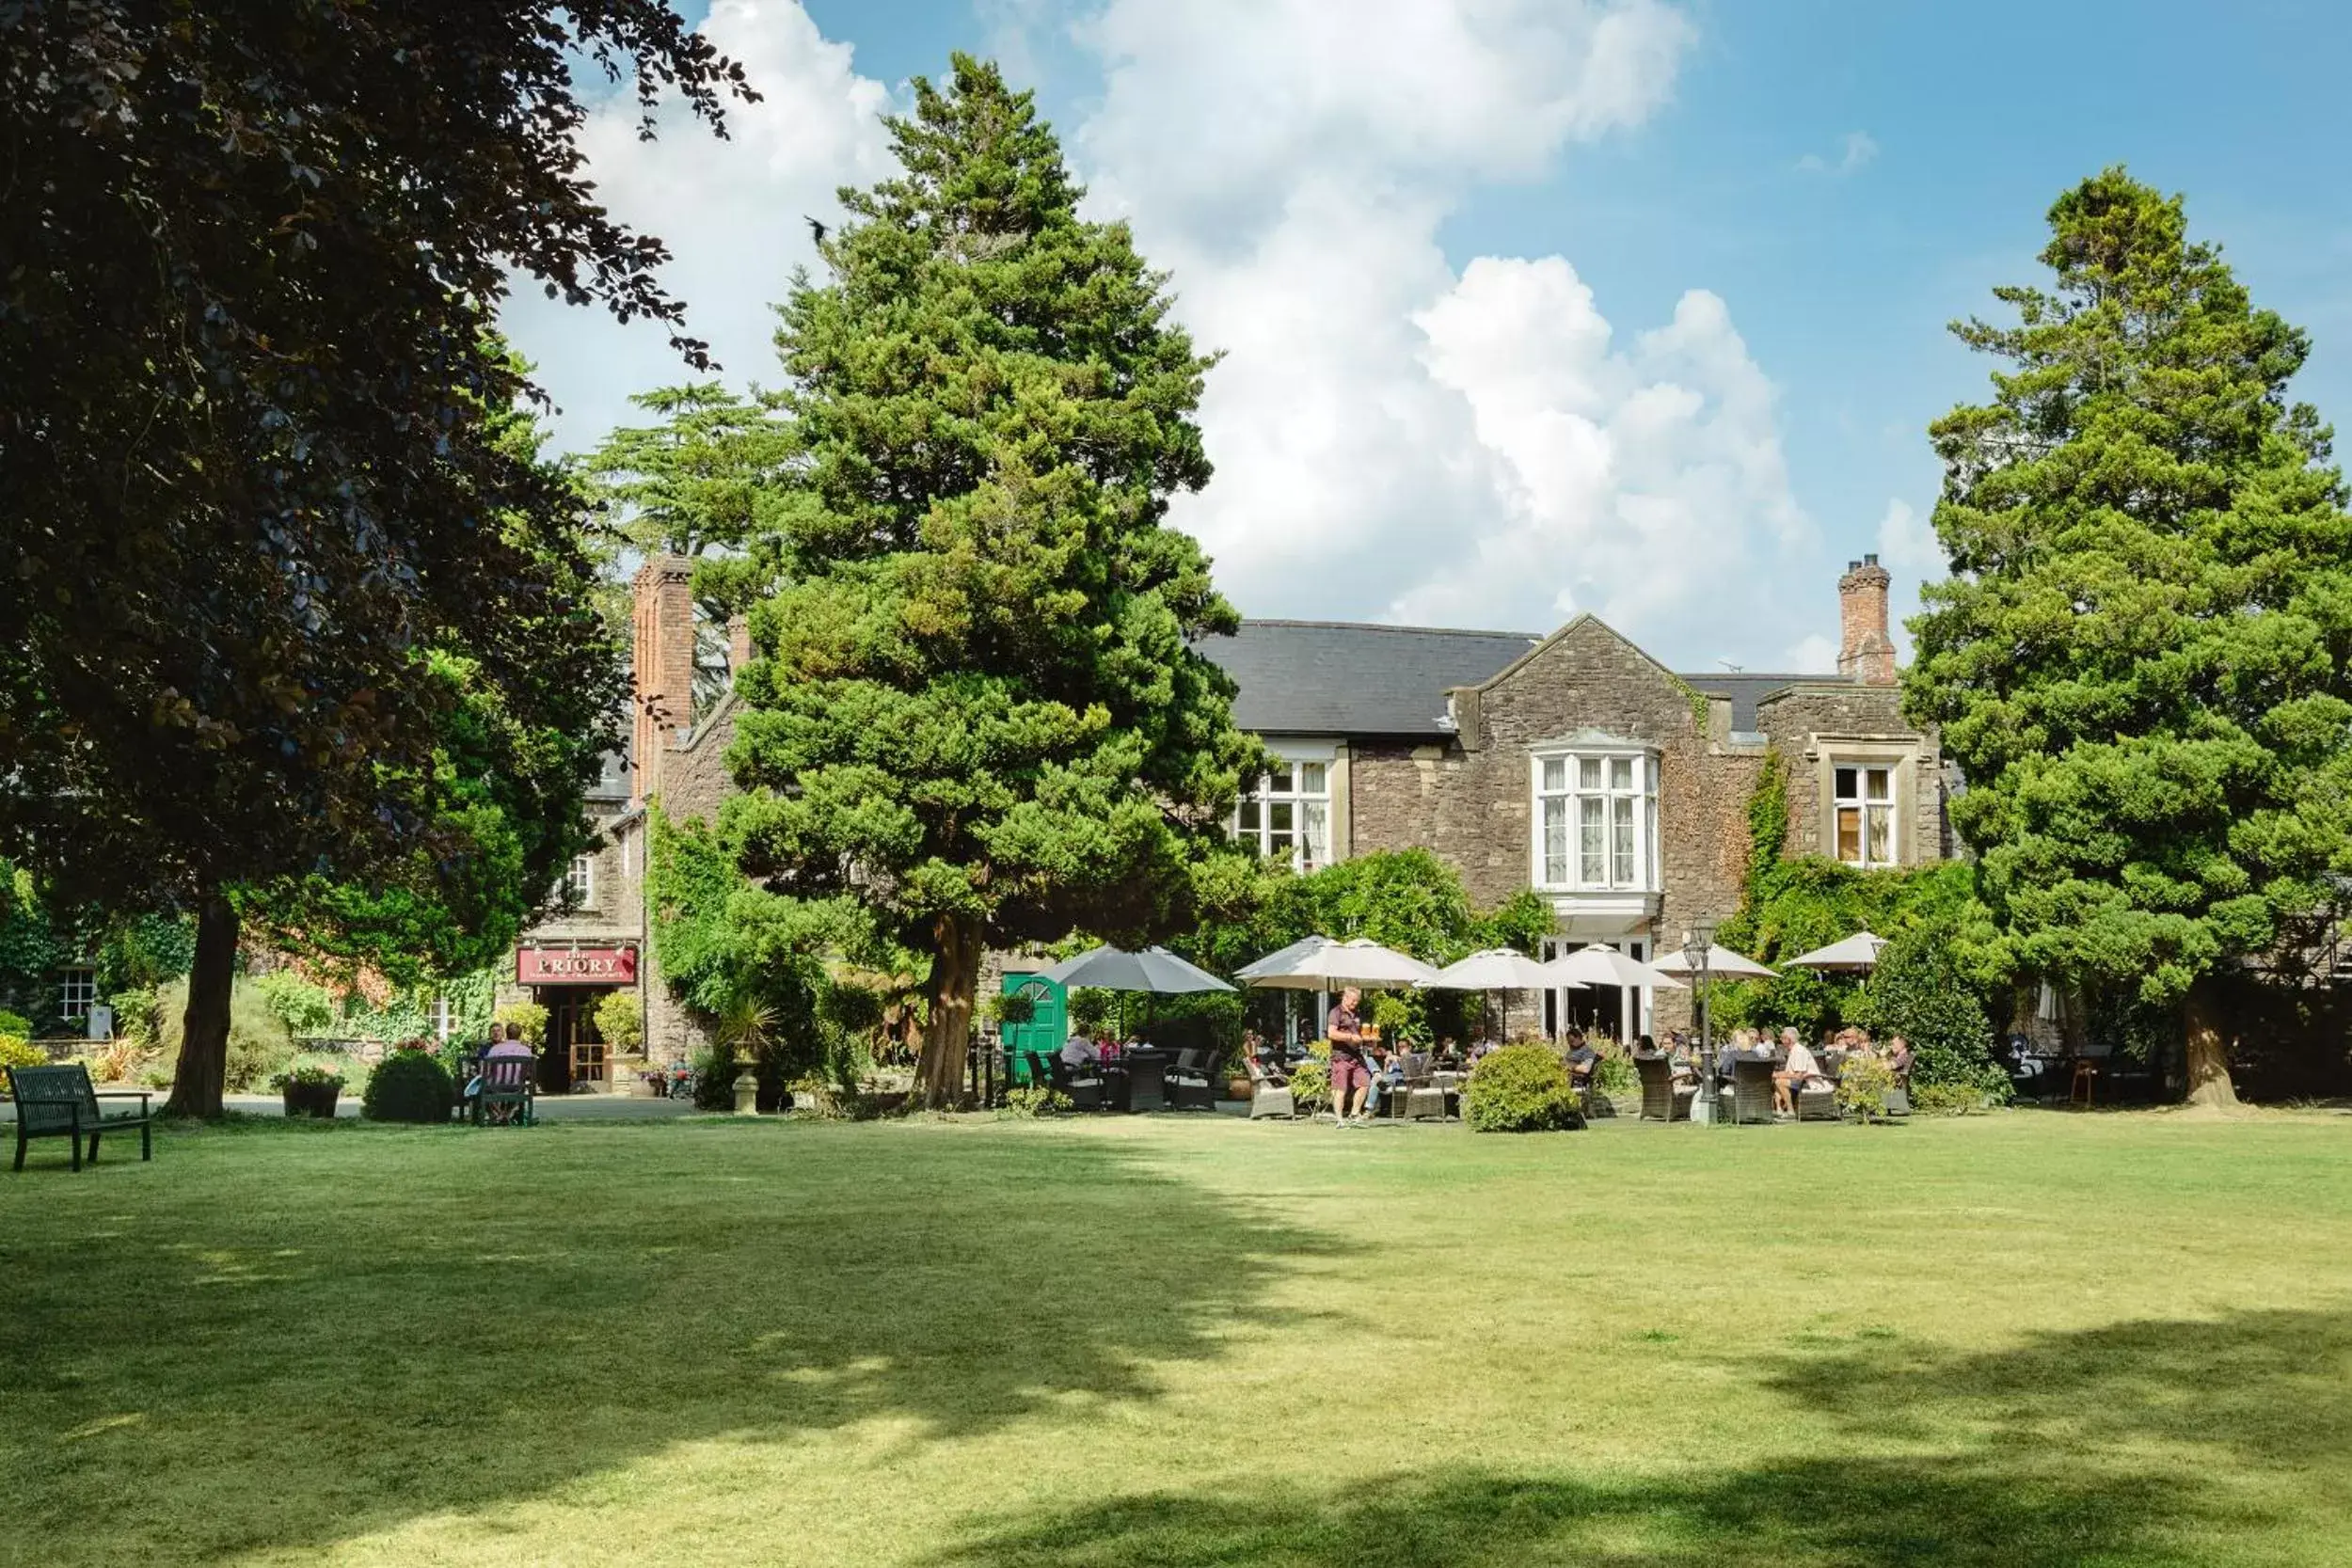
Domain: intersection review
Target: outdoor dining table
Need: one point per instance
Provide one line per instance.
(1136, 1078)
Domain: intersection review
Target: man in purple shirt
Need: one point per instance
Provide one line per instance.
(1350, 1077)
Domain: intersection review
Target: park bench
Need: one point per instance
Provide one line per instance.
(59, 1103)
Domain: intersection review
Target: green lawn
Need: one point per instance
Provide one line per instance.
(2024, 1340)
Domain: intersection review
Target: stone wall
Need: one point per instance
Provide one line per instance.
(1820, 724)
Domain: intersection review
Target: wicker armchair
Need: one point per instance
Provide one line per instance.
(1083, 1089)
(1662, 1099)
(1751, 1090)
(1270, 1093)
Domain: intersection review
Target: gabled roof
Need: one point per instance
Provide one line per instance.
(1343, 678)
(1338, 677)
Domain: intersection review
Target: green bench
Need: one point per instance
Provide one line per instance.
(59, 1103)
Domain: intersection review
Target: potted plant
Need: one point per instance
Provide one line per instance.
(310, 1088)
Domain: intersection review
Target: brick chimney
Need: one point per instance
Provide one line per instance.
(1865, 652)
(739, 645)
(664, 664)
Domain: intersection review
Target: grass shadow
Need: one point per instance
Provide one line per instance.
(2128, 1444)
(268, 1341)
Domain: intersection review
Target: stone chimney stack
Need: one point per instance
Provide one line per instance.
(1865, 652)
(665, 665)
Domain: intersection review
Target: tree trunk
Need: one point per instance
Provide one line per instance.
(956, 941)
(2208, 1053)
(196, 1081)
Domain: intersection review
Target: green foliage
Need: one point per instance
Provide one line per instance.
(1518, 1088)
(409, 1085)
(258, 1043)
(311, 1072)
(15, 1051)
(302, 1008)
(980, 692)
(1767, 819)
(1311, 1083)
(1863, 1084)
(1951, 1100)
(1614, 1074)
(529, 1017)
(138, 1016)
(1918, 992)
(1035, 1099)
(15, 1024)
(2140, 661)
(621, 1020)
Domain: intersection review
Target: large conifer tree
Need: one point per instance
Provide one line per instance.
(977, 708)
(2140, 660)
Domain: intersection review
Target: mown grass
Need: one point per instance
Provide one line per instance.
(2031, 1340)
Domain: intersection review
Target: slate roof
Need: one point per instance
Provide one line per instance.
(1340, 677)
(1332, 677)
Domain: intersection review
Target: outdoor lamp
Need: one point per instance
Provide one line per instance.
(1698, 945)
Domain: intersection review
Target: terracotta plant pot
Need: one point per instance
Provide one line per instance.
(1237, 1088)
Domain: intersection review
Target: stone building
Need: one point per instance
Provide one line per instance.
(1577, 765)
(1574, 763)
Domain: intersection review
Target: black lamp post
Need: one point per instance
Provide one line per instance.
(1698, 944)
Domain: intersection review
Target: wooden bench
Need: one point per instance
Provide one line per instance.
(59, 1103)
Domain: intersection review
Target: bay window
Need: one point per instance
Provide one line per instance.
(1287, 815)
(1595, 821)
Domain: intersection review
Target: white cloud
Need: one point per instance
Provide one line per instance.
(1812, 655)
(1910, 553)
(1855, 151)
(1392, 438)
(735, 214)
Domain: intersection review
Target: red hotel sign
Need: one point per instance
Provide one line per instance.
(575, 966)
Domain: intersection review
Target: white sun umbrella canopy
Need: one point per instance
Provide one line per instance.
(1858, 950)
(1281, 958)
(1497, 968)
(1606, 966)
(1156, 970)
(1721, 964)
(1336, 965)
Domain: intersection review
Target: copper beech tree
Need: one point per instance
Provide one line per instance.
(978, 712)
(295, 623)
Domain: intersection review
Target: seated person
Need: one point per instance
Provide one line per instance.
(1899, 1061)
(1681, 1061)
(1581, 1061)
(1079, 1052)
(1388, 1074)
(1797, 1074)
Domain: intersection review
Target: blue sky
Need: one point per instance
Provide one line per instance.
(1534, 306)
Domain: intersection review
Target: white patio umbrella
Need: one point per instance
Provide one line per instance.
(1497, 968)
(1336, 965)
(1859, 951)
(1156, 970)
(1606, 966)
(1721, 964)
(1281, 959)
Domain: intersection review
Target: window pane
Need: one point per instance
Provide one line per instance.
(1311, 780)
(1846, 786)
(1592, 841)
(1881, 835)
(1588, 773)
(1280, 816)
(1621, 843)
(1249, 816)
(1555, 843)
(1279, 780)
(1555, 774)
(1621, 773)
(1849, 834)
(1315, 833)
(1277, 845)
(1649, 837)
(1876, 779)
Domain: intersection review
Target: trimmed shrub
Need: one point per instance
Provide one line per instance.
(529, 1017)
(408, 1086)
(1863, 1084)
(621, 1020)
(16, 1052)
(1519, 1088)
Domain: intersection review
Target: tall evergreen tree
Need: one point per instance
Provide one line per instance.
(2139, 660)
(979, 710)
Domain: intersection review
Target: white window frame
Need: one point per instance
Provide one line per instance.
(1285, 793)
(1622, 781)
(77, 991)
(444, 1016)
(579, 882)
(1865, 806)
